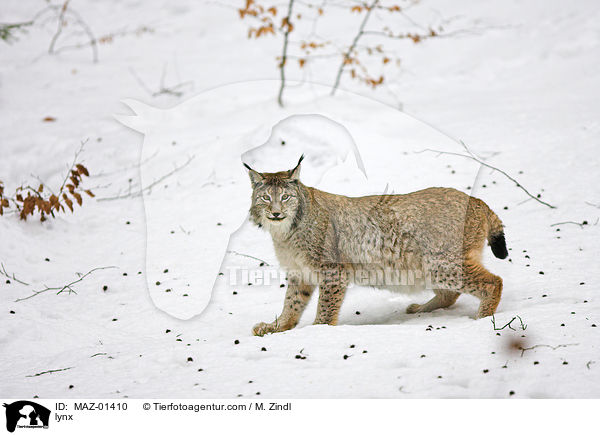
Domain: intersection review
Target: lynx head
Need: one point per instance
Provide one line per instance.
(277, 198)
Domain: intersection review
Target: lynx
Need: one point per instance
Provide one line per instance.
(435, 235)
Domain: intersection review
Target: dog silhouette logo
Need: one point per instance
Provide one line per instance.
(196, 194)
(26, 414)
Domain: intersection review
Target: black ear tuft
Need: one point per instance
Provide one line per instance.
(294, 174)
(255, 176)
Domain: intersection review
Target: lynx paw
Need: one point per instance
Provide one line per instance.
(413, 308)
(263, 328)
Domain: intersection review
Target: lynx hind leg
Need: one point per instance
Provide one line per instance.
(297, 297)
(486, 286)
(442, 299)
(483, 284)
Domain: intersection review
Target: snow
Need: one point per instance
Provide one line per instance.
(521, 92)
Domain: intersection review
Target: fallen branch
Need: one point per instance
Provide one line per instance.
(162, 89)
(150, 186)
(487, 165)
(13, 277)
(97, 354)
(67, 287)
(581, 225)
(62, 11)
(523, 349)
(248, 256)
(49, 371)
(523, 326)
(104, 39)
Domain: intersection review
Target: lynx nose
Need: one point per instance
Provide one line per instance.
(276, 214)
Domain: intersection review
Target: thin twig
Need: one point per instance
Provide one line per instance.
(126, 168)
(162, 89)
(49, 371)
(523, 349)
(61, 24)
(67, 287)
(63, 11)
(6, 30)
(487, 165)
(97, 354)
(150, 186)
(104, 38)
(68, 175)
(581, 225)
(523, 326)
(88, 30)
(419, 37)
(5, 273)
(288, 29)
(346, 56)
(249, 256)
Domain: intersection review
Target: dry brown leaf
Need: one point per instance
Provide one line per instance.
(77, 197)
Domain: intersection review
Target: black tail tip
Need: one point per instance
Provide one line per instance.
(498, 245)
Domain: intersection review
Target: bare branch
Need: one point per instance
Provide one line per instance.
(63, 11)
(5, 273)
(523, 349)
(581, 225)
(248, 256)
(288, 29)
(150, 186)
(523, 326)
(346, 56)
(162, 89)
(61, 24)
(49, 371)
(487, 165)
(98, 354)
(67, 287)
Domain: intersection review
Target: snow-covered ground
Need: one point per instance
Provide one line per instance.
(521, 91)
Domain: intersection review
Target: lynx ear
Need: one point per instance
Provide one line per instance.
(294, 174)
(255, 177)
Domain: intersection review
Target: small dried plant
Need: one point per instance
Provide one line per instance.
(30, 201)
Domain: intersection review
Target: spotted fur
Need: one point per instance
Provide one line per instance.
(429, 239)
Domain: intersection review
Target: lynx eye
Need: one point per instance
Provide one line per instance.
(285, 197)
(266, 198)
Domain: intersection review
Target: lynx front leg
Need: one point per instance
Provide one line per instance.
(296, 298)
(332, 288)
